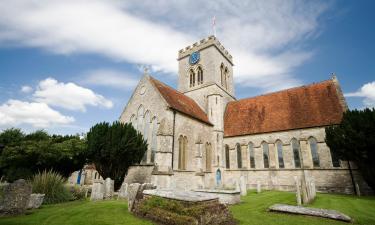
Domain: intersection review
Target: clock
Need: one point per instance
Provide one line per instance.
(194, 58)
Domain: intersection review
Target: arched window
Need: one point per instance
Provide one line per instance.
(227, 158)
(154, 141)
(140, 119)
(226, 77)
(314, 152)
(265, 155)
(296, 151)
(208, 157)
(251, 155)
(96, 173)
(239, 156)
(200, 75)
(280, 156)
(146, 129)
(192, 78)
(222, 74)
(182, 145)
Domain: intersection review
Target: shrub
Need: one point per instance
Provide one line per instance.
(52, 185)
(77, 192)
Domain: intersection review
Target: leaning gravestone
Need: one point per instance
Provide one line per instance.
(36, 200)
(14, 197)
(135, 193)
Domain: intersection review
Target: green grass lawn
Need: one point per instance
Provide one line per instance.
(251, 211)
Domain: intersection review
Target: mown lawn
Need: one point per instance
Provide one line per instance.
(251, 211)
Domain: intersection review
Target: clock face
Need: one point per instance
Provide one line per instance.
(194, 58)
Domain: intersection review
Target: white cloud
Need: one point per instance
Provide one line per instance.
(367, 91)
(110, 78)
(68, 95)
(266, 38)
(26, 89)
(40, 115)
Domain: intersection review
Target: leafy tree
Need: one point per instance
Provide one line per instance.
(113, 148)
(11, 136)
(354, 140)
(25, 155)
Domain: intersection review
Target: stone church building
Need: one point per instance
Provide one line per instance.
(201, 136)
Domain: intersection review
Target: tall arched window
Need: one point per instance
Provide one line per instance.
(208, 157)
(192, 78)
(265, 155)
(182, 145)
(222, 74)
(251, 155)
(226, 77)
(280, 156)
(227, 157)
(200, 75)
(154, 141)
(314, 152)
(146, 129)
(296, 152)
(239, 156)
(140, 119)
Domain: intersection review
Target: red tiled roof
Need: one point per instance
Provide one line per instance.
(180, 102)
(302, 107)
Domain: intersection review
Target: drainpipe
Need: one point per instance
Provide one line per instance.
(174, 124)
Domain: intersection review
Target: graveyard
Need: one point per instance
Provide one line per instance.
(253, 209)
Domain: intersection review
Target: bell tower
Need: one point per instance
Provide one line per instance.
(205, 74)
(205, 63)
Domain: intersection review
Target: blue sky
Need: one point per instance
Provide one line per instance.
(66, 65)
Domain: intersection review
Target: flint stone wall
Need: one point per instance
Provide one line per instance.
(14, 197)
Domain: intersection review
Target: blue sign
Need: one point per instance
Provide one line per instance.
(194, 58)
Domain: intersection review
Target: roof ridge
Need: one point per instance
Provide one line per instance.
(283, 90)
(180, 102)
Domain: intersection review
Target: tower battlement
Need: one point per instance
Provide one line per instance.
(205, 43)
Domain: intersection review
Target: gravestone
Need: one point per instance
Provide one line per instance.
(108, 188)
(357, 189)
(97, 192)
(243, 187)
(14, 197)
(135, 193)
(36, 200)
(298, 191)
(123, 191)
(259, 190)
(132, 194)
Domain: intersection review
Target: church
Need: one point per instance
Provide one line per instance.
(202, 136)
